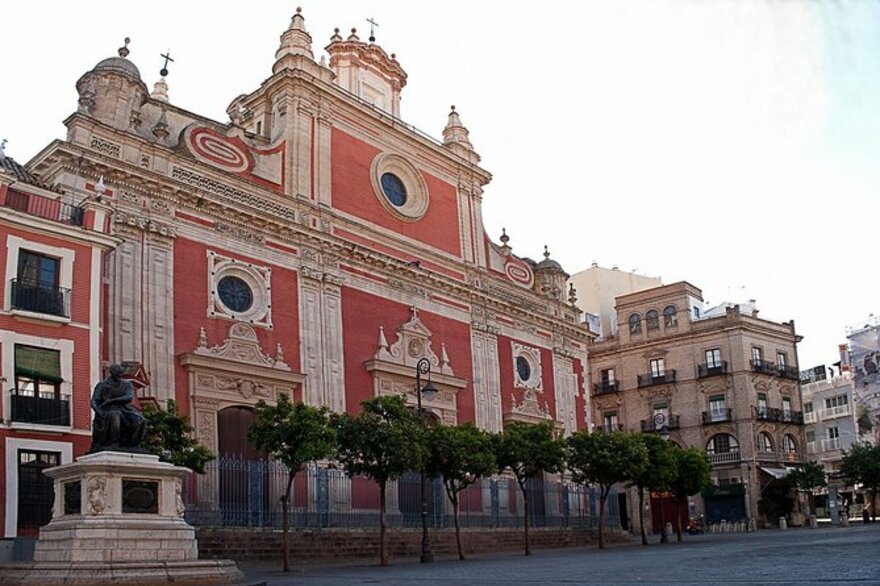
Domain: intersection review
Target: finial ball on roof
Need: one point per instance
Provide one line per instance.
(123, 50)
(299, 9)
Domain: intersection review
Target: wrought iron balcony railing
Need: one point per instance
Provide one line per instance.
(39, 408)
(717, 415)
(763, 367)
(648, 425)
(604, 387)
(650, 379)
(37, 298)
(706, 370)
(789, 372)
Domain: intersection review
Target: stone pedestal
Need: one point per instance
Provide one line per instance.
(118, 518)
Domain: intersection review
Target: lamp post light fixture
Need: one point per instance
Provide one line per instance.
(660, 424)
(423, 366)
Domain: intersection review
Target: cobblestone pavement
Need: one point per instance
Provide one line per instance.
(830, 555)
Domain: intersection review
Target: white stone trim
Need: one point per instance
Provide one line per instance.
(13, 445)
(14, 244)
(95, 330)
(533, 357)
(8, 340)
(417, 199)
(258, 278)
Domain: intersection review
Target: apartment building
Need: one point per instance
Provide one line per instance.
(724, 380)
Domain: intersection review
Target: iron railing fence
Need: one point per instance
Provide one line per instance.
(247, 493)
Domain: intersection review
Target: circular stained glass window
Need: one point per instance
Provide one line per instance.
(394, 189)
(523, 369)
(235, 294)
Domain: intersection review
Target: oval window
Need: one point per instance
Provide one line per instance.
(394, 189)
(523, 369)
(235, 294)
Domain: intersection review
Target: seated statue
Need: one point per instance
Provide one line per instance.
(118, 425)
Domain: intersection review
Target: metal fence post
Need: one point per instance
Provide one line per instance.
(496, 505)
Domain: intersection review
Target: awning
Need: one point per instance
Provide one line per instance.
(777, 473)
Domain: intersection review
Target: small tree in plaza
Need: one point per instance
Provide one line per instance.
(808, 477)
(528, 451)
(459, 455)
(606, 459)
(656, 475)
(861, 465)
(693, 473)
(294, 434)
(170, 436)
(383, 442)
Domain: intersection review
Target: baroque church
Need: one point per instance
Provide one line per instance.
(313, 245)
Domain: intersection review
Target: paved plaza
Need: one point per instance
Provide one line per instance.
(827, 555)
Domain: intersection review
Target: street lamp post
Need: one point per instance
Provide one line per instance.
(423, 366)
(660, 424)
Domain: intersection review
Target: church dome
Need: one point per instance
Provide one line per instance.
(119, 65)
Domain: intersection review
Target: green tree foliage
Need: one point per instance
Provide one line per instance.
(776, 500)
(693, 474)
(169, 436)
(808, 477)
(656, 475)
(528, 451)
(293, 434)
(606, 459)
(383, 442)
(861, 465)
(459, 455)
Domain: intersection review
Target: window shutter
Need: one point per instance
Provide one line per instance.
(38, 363)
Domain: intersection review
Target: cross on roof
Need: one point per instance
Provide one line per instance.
(167, 56)
(373, 25)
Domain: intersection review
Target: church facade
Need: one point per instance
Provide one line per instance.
(313, 246)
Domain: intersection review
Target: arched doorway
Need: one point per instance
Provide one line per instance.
(243, 470)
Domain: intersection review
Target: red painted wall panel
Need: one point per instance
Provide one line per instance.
(353, 193)
(363, 314)
(191, 302)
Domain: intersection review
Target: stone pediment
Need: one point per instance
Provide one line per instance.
(413, 343)
(242, 345)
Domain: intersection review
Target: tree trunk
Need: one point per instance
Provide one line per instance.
(874, 505)
(602, 496)
(383, 551)
(454, 499)
(526, 518)
(678, 520)
(285, 523)
(642, 531)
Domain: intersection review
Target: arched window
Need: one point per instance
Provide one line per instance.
(669, 319)
(789, 448)
(635, 324)
(723, 443)
(652, 320)
(765, 442)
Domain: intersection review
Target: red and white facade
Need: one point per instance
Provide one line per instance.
(50, 334)
(313, 246)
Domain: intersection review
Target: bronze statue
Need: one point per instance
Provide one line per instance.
(118, 425)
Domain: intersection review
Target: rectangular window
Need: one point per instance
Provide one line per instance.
(837, 401)
(808, 407)
(786, 406)
(658, 369)
(780, 359)
(811, 436)
(608, 377)
(37, 372)
(833, 433)
(717, 408)
(609, 421)
(757, 355)
(37, 269)
(661, 409)
(696, 312)
(713, 358)
(762, 404)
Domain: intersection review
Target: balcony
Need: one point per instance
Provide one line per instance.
(730, 457)
(763, 367)
(707, 370)
(43, 207)
(717, 416)
(766, 455)
(831, 443)
(794, 417)
(650, 379)
(790, 457)
(648, 425)
(604, 388)
(767, 414)
(789, 372)
(832, 412)
(40, 409)
(810, 417)
(38, 298)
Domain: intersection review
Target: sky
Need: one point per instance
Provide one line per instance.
(732, 144)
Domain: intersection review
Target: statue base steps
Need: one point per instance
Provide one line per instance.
(118, 519)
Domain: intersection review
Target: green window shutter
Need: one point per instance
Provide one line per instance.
(38, 363)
